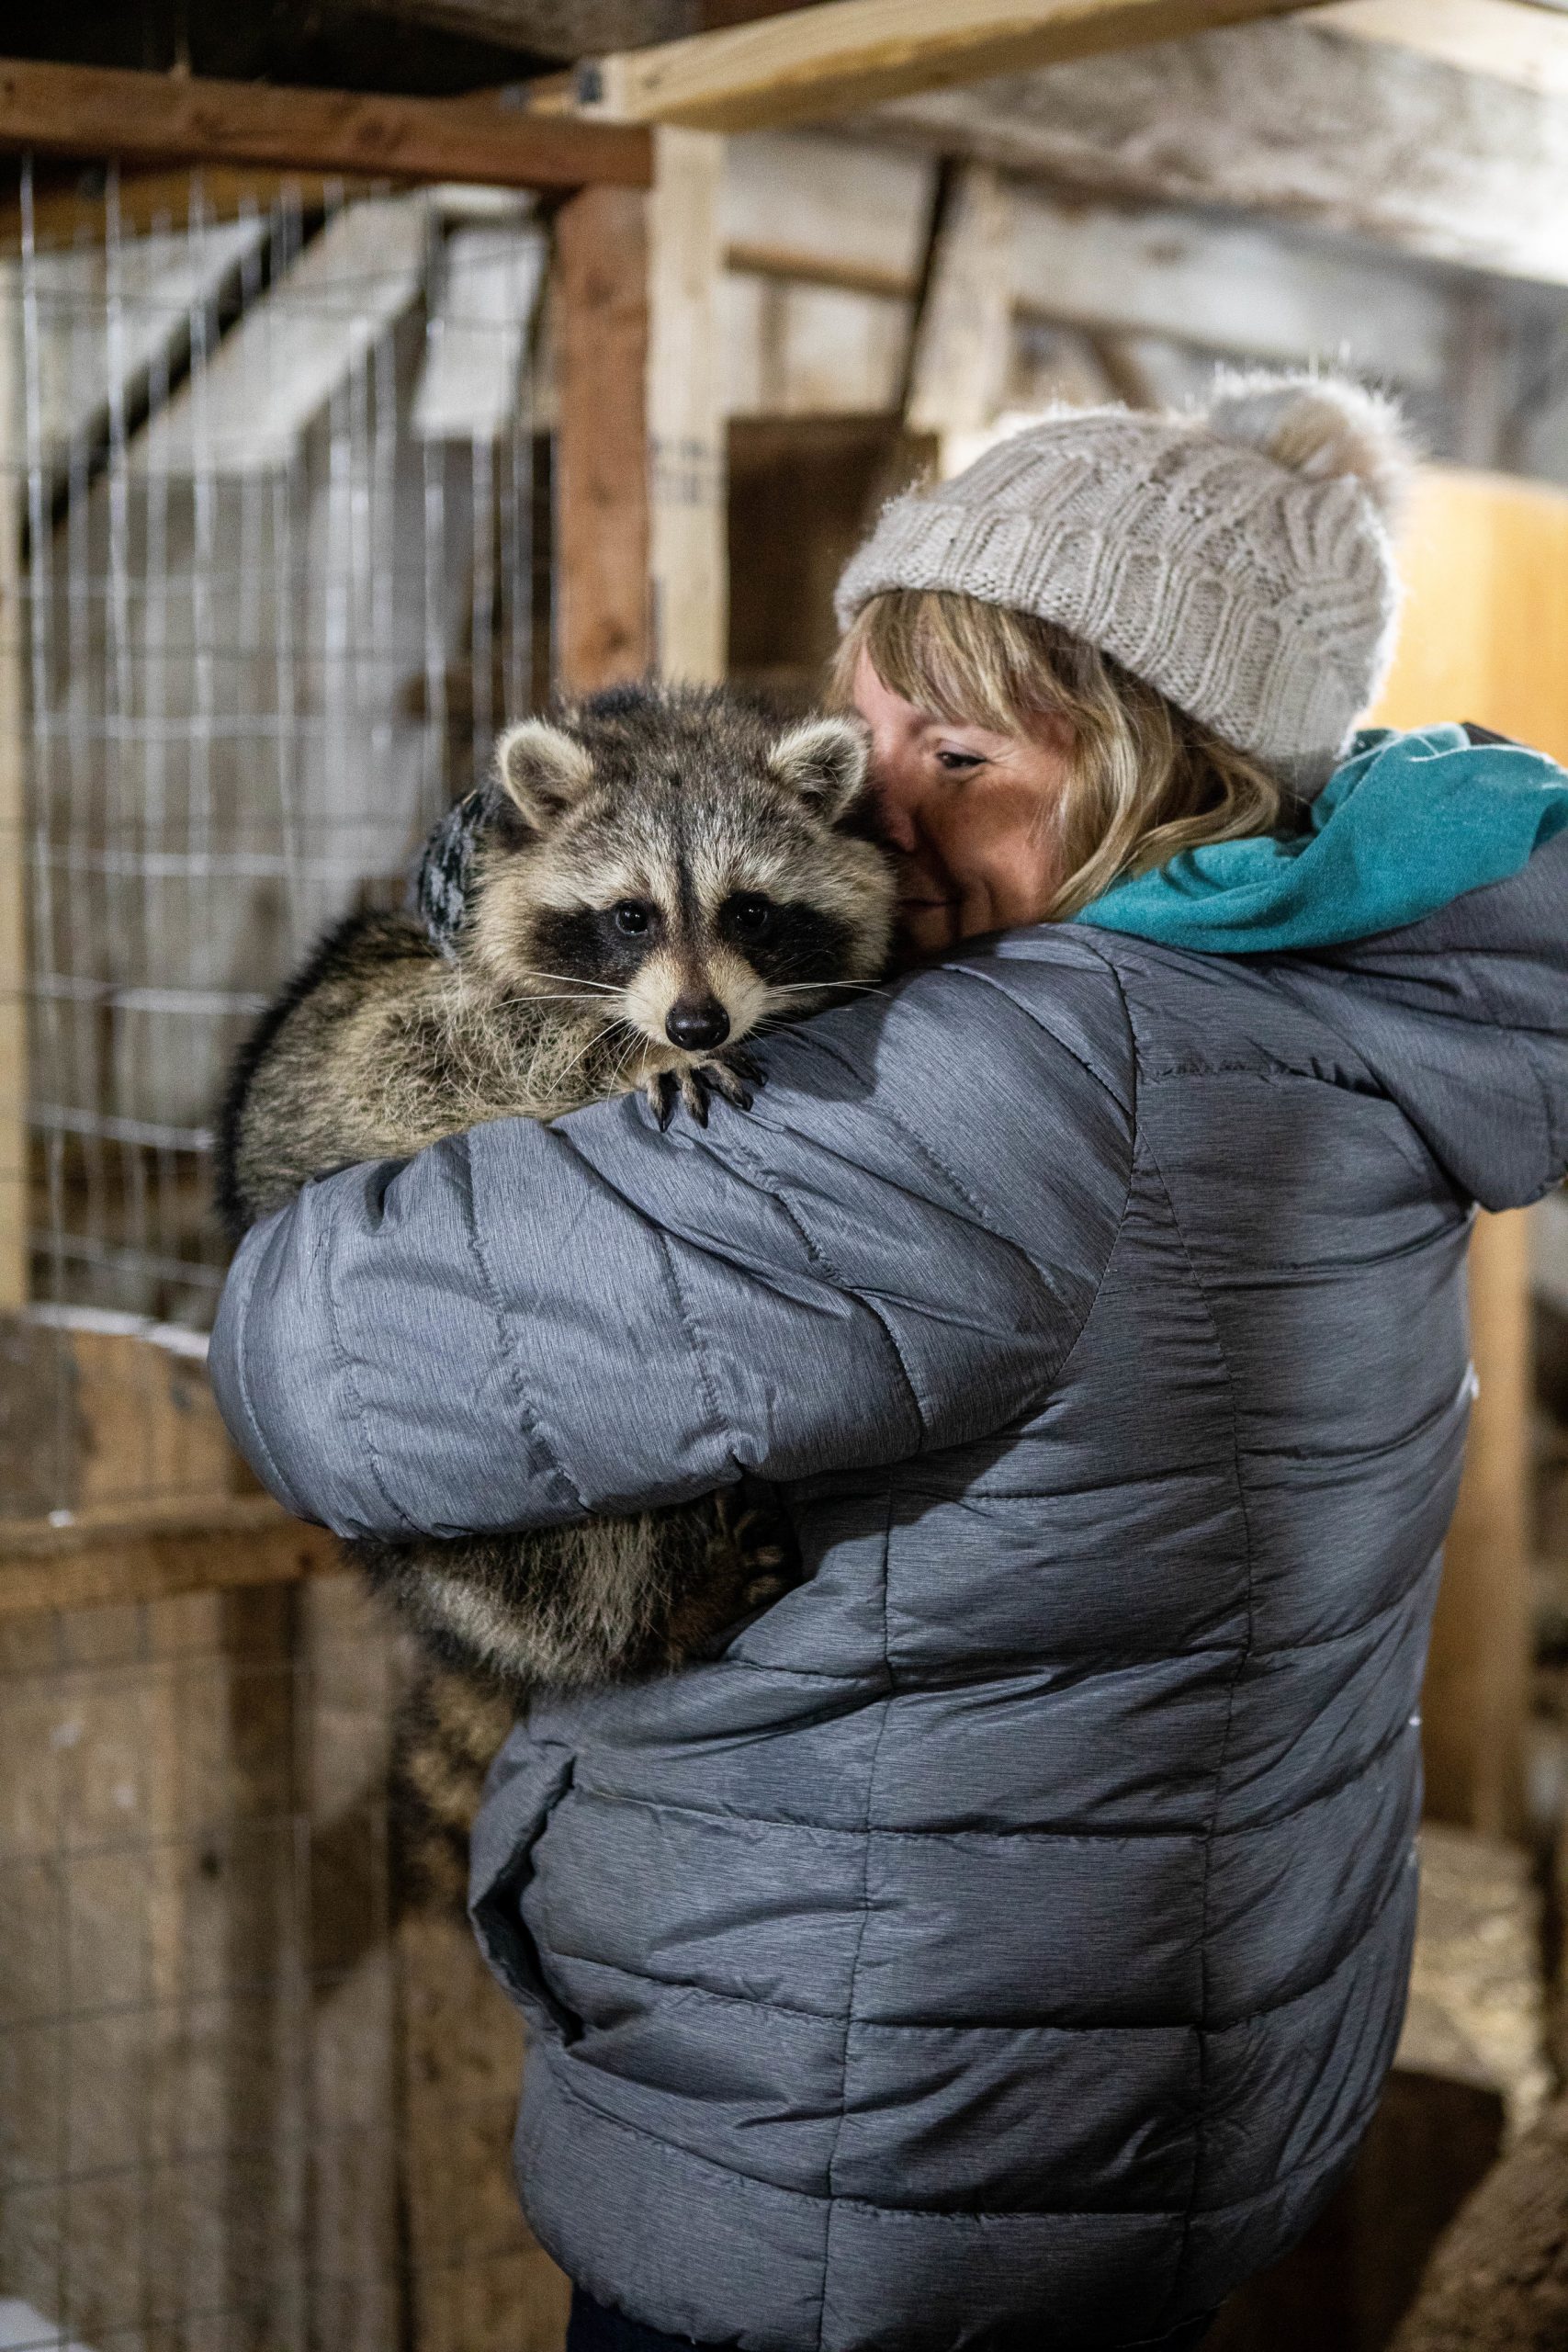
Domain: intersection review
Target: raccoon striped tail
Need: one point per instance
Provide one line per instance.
(448, 1728)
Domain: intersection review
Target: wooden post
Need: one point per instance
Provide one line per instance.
(604, 600)
(12, 881)
(963, 339)
(686, 422)
(1477, 1697)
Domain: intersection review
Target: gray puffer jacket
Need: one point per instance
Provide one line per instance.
(1008, 1931)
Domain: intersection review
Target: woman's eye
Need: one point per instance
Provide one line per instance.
(630, 917)
(959, 763)
(751, 914)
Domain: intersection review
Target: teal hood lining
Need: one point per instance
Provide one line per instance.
(1408, 823)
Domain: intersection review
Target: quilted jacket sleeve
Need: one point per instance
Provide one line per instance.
(894, 1250)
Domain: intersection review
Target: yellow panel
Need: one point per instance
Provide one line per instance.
(1485, 633)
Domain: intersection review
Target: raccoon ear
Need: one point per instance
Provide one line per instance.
(541, 769)
(824, 761)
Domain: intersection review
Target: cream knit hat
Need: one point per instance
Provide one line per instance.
(1238, 557)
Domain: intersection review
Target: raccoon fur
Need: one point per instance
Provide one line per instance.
(650, 877)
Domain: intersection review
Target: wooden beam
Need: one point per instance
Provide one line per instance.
(1501, 38)
(248, 1541)
(824, 209)
(13, 1188)
(828, 59)
(156, 118)
(685, 404)
(1287, 118)
(964, 337)
(603, 601)
(1234, 286)
(1476, 1705)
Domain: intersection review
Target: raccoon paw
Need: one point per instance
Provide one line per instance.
(761, 1592)
(732, 1076)
(661, 1094)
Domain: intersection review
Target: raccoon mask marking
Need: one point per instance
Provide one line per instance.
(681, 867)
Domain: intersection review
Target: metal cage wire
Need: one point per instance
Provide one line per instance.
(280, 520)
(280, 498)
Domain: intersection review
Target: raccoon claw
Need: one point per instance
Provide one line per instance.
(662, 1094)
(694, 1095)
(728, 1078)
(732, 1076)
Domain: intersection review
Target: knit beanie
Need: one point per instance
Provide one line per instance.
(1238, 558)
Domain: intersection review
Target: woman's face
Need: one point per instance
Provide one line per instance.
(970, 814)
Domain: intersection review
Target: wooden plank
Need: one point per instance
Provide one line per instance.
(153, 202)
(963, 339)
(346, 1649)
(14, 1189)
(461, 2052)
(603, 617)
(251, 1544)
(156, 118)
(1476, 1707)
(1285, 118)
(273, 373)
(1232, 285)
(1486, 630)
(1500, 38)
(1477, 2006)
(818, 61)
(793, 206)
(1485, 637)
(685, 409)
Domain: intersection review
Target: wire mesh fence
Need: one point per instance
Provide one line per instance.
(243, 2106)
(274, 479)
(273, 569)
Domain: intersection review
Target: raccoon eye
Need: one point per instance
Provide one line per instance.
(630, 916)
(751, 913)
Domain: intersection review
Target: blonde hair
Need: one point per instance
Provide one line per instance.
(1147, 782)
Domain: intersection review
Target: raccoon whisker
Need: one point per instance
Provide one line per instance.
(572, 980)
(594, 1040)
(818, 988)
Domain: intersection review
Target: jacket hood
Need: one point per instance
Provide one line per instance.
(1425, 915)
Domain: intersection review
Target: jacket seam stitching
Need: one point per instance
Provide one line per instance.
(733, 2177)
(1012, 2025)
(243, 1368)
(1243, 1659)
(360, 1410)
(693, 1337)
(860, 1931)
(1058, 1833)
(498, 1315)
(820, 1258)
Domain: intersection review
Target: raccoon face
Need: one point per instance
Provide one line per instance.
(676, 866)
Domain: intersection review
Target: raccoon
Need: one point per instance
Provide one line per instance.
(650, 877)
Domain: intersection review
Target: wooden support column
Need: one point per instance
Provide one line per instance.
(686, 421)
(1477, 1696)
(13, 890)
(603, 599)
(964, 337)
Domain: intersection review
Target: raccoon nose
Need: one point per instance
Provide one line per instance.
(696, 1022)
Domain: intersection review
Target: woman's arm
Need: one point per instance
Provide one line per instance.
(894, 1250)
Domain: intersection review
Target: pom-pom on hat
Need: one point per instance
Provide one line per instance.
(1237, 557)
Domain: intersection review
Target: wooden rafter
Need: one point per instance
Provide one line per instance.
(845, 54)
(1507, 40)
(158, 119)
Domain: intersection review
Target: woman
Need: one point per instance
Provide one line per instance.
(1003, 1941)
